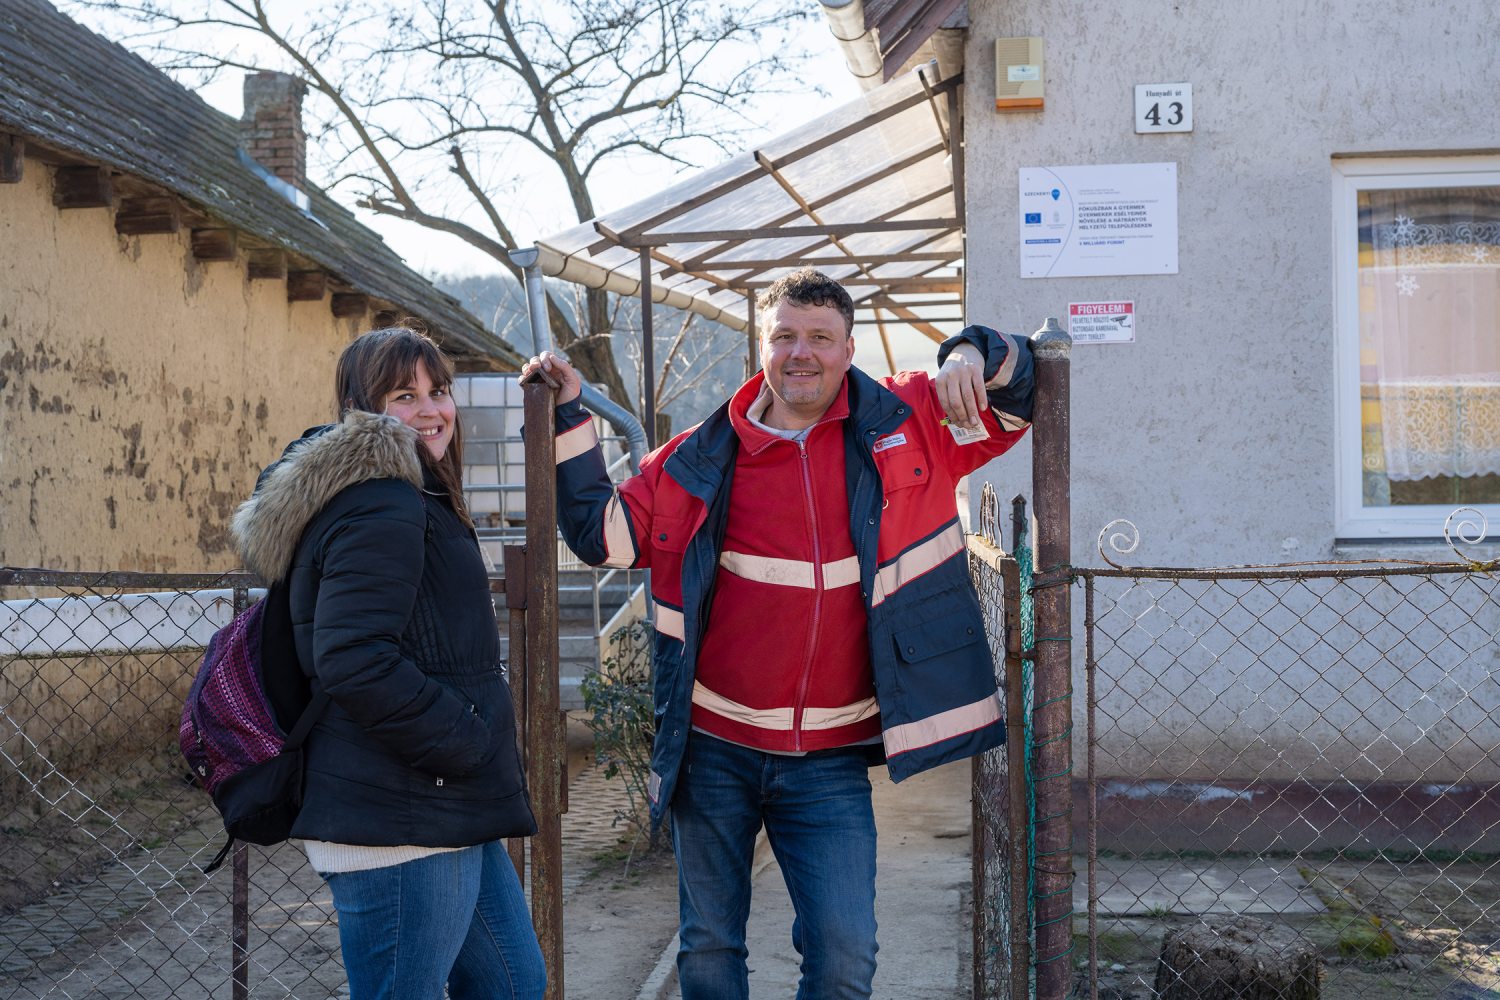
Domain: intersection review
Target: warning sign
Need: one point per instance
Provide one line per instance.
(1101, 322)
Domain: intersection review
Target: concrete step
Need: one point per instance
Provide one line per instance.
(576, 656)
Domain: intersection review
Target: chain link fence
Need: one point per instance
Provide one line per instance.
(1301, 761)
(102, 834)
(103, 837)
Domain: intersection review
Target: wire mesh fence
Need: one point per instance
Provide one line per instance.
(103, 837)
(1301, 764)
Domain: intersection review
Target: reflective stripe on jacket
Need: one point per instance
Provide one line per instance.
(933, 674)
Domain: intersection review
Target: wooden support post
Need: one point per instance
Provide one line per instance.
(216, 244)
(306, 286)
(82, 187)
(752, 350)
(12, 158)
(648, 352)
(350, 305)
(140, 215)
(1052, 715)
(267, 263)
(547, 765)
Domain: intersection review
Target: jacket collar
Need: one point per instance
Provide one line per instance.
(750, 402)
(700, 462)
(313, 470)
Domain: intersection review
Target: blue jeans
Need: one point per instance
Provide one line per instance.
(456, 919)
(818, 819)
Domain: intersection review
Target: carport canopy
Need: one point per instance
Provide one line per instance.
(870, 193)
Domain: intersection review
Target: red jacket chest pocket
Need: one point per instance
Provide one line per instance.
(902, 466)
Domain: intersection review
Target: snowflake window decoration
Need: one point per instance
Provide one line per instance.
(1407, 285)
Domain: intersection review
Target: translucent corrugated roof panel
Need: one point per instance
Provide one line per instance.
(864, 193)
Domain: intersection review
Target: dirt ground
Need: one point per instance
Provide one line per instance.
(616, 924)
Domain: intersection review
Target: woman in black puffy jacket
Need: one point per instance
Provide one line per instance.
(413, 775)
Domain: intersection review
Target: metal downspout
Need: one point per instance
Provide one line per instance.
(593, 400)
(846, 19)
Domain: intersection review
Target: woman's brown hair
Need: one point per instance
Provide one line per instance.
(382, 360)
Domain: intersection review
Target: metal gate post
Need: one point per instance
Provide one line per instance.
(1002, 930)
(546, 768)
(515, 607)
(240, 886)
(1052, 712)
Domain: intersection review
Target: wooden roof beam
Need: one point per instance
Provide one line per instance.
(871, 259)
(934, 284)
(909, 206)
(215, 244)
(828, 199)
(671, 263)
(267, 263)
(634, 233)
(914, 29)
(349, 305)
(139, 215)
(791, 232)
(306, 286)
(877, 321)
(910, 317)
(12, 158)
(82, 187)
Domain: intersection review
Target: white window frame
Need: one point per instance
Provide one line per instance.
(1350, 176)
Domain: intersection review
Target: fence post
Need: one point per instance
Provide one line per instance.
(1052, 712)
(240, 883)
(1001, 925)
(546, 768)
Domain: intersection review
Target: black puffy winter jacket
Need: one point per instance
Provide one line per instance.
(392, 616)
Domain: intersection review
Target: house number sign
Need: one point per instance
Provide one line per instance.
(1164, 107)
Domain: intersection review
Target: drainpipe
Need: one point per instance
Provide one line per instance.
(846, 19)
(594, 401)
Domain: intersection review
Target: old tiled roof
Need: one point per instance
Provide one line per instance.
(69, 90)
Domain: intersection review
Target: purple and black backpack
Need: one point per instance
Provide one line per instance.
(234, 734)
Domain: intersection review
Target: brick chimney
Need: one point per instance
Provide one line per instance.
(271, 127)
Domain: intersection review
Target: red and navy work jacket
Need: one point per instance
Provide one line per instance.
(809, 594)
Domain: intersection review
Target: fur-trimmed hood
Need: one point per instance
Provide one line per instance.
(312, 471)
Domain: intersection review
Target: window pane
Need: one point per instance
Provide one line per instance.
(1429, 339)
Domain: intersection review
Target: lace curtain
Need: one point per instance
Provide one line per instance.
(1429, 289)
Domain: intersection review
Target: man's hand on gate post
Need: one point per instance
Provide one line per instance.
(960, 386)
(568, 382)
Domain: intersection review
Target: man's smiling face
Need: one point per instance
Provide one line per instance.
(805, 351)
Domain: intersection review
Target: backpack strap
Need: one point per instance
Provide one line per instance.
(305, 722)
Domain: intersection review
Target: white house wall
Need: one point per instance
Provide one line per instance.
(1214, 432)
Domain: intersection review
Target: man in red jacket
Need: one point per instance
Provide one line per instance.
(813, 612)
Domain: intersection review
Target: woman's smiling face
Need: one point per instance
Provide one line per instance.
(426, 408)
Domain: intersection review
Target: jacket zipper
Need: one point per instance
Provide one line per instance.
(817, 608)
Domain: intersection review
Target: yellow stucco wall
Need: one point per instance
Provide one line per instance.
(140, 391)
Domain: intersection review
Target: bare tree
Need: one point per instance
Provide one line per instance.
(456, 114)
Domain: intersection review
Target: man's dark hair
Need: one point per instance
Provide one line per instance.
(807, 287)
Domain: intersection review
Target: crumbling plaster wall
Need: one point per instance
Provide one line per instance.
(140, 390)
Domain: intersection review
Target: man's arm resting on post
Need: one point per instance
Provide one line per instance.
(981, 369)
(594, 519)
